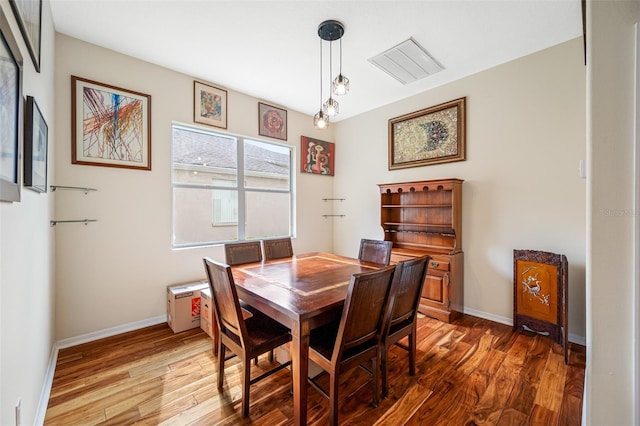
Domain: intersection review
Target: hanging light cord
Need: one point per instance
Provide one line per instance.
(330, 66)
(340, 56)
(320, 74)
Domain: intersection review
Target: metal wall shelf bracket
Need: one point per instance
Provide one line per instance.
(85, 221)
(72, 188)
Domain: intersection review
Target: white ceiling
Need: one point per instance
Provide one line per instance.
(270, 49)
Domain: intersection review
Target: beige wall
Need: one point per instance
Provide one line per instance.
(522, 190)
(611, 216)
(27, 257)
(113, 272)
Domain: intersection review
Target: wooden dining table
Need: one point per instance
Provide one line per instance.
(301, 292)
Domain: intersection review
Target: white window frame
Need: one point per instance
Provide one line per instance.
(240, 186)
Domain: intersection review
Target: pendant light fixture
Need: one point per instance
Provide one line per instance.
(320, 120)
(331, 107)
(341, 83)
(330, 30)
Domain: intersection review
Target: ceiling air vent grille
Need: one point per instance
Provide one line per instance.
(407, 62)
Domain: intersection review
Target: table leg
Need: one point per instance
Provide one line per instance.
(300, 370)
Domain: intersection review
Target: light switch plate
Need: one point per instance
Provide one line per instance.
(582, 169)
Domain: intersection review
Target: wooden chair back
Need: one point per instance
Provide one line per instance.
(375, 251)
(243, 252)
(225, 299)
(363, 312)
(277, 249)
(406, 288)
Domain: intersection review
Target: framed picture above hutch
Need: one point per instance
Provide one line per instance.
(432, 135)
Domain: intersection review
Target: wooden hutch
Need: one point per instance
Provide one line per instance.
(425, 217)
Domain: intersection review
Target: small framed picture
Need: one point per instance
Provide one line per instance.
(11, 113)
(316, 156)
(209, 105)
(272, 121)
(111, 126)
(35, 148)
(29, 16)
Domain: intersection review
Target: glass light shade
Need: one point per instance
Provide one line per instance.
(340, 85)
(320, 120)
(331, 107)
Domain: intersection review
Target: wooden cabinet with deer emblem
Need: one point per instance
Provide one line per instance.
(540, 281)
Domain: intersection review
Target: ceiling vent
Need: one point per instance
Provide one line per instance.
(407, 62)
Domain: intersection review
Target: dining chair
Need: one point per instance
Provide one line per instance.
(375, 251)
(355, 338)
(402, 313)
(245, 252)
(246, 337)
(277, 249)
(242, 252)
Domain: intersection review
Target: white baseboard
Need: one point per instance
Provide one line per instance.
(73, 341)
(573, 338)
(46, 387)
(584, 400)
(90, 337)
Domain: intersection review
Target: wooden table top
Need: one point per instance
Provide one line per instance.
(301, 286)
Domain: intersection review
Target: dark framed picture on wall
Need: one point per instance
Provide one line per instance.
(316, 156)
(10, 113)
(432, 135)
(29, 16)
(209, 105)
(111, 125)
(36, 133)
(272, 121)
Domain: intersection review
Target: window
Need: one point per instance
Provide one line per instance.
(228, 188)
(225, 204)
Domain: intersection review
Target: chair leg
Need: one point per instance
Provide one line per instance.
(333, 399)
(221, 350)
(375, 364)
(384, 370)
(216, 334)
(271, 355)
(412, 351)
(246, 383)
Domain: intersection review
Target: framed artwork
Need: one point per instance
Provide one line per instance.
(10, 113)
(35, 147)
(111, 125)
(316, 156)
(540, 294)
(209, 105)
(430, 136)
(272, 121)
(29, 16)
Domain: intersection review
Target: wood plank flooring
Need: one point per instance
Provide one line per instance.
(471, 372)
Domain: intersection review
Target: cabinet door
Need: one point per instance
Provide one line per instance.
(435, 288)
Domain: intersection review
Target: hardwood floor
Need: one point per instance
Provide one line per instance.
(472, 372)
